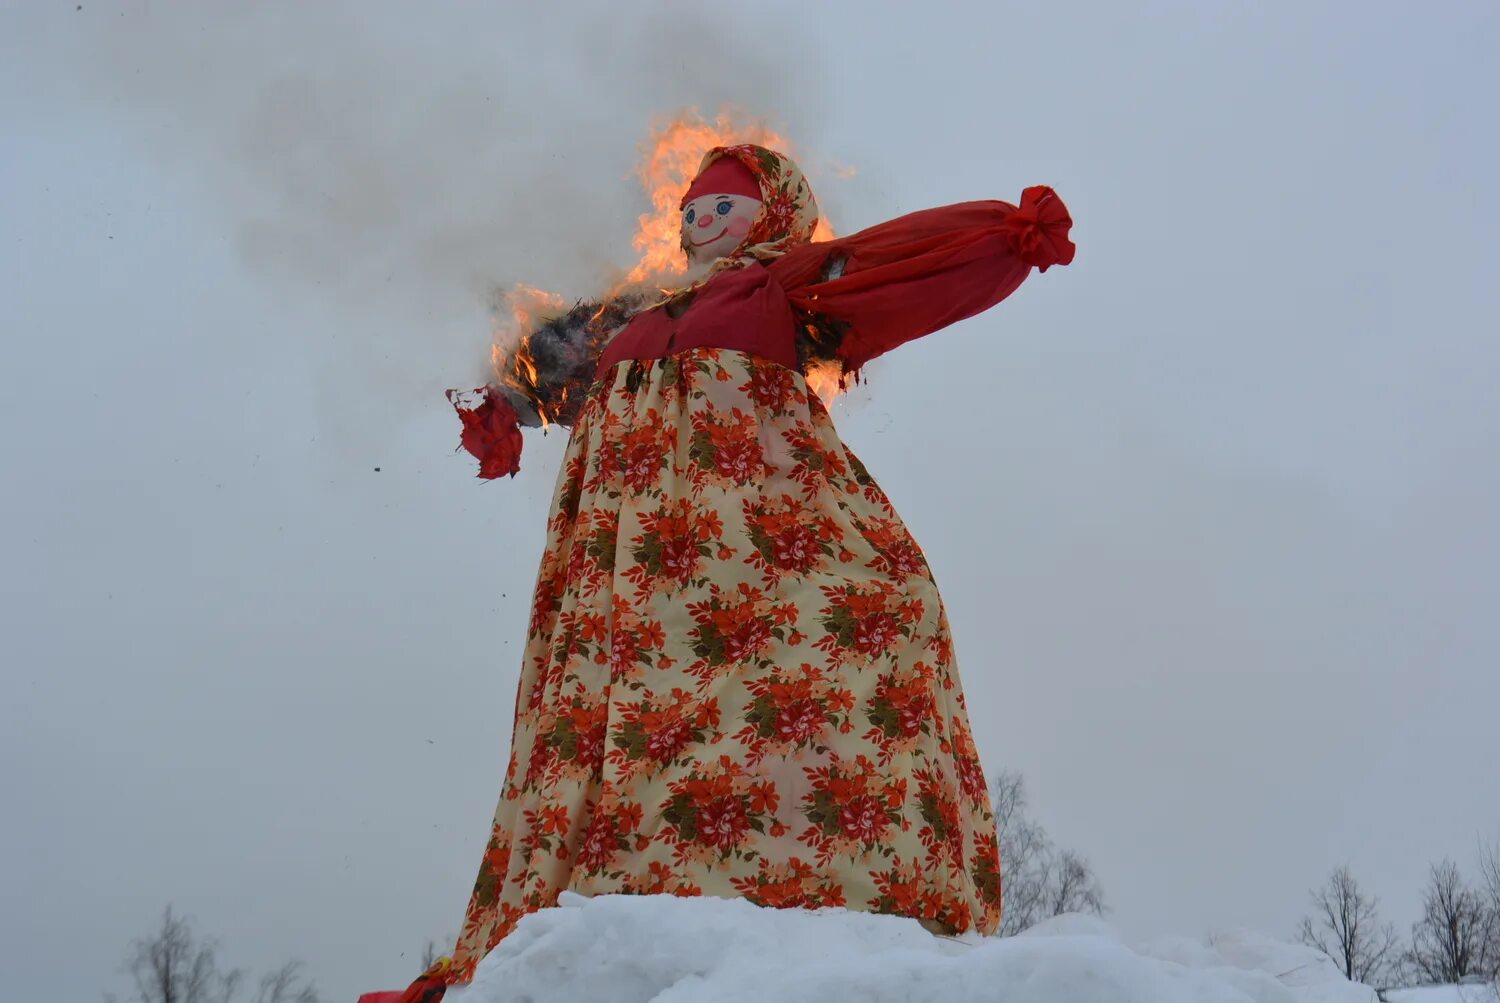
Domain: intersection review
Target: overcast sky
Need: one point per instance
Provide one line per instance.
(1215, 510)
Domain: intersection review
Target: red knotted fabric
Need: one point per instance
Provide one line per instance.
(918, 273)
(429, 987)
(491, 432)
(1040, 227)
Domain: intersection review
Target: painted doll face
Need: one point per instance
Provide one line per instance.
(714, 225)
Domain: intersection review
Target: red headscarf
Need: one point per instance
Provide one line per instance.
(725, 176)
(788, 212)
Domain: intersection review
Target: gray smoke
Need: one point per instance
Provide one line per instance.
(389, 198)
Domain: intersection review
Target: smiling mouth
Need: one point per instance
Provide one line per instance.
(710, 240)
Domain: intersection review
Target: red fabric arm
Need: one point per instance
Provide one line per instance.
(919, 273)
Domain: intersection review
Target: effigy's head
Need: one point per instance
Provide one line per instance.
(746, 201)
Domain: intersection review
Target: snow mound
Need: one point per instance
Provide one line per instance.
(1446, 994)
(662, 949)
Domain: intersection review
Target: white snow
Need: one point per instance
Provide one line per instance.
(634, 949)
(1446, 994)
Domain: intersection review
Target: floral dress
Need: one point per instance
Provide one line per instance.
(739, 678)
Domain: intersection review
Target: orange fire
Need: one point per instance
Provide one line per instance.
(510, 353)
(669, 162)
(825, 380)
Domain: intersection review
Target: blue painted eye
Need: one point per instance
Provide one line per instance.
(724, 208)
(690, 214)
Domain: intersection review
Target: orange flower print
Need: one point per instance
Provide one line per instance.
(900, 710)
(578, 737)
(600, 845)
(852, 809)
(866, 621)
(984, 867)
(492, 868)
(789, 537)
(660, 880)
(901, 888)
(555, 819)
(726, 449)
(793, 709)
(712, 811)
(736, 627)
(722, 823)
(943, 833)
(653, 733)
(764, 798)
(966, 764)
(773, 388)
(674, 541)
(780, 213)
(896, 553)
(642, 456)
(608, 836)
(792, 885)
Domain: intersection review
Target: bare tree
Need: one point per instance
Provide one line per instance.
(175, 965)
(1023, 847)
(1346, 927)
(1489, 873)
(1040, 880)
(281, 986)
(1452, 939)
(1072, 886)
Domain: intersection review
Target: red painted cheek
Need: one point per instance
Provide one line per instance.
(739, 226)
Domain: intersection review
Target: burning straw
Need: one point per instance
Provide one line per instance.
(548, 373)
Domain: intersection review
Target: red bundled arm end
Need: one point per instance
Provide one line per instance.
(429, 987)
(491, 432)
(1039, 227)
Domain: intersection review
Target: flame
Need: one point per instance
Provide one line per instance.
(510, 354)
(527, 303)
(826, 379)
(669, 161)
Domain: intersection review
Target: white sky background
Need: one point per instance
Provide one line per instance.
(1214, 509)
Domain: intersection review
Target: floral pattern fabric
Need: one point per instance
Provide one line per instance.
(739, 679)
(788, 214)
